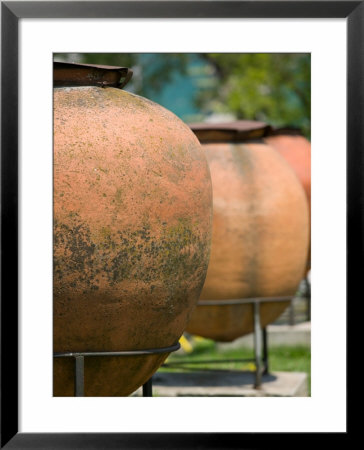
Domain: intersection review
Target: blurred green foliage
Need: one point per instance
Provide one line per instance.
(271, 87)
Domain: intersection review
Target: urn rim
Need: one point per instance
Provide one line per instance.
(66, 74)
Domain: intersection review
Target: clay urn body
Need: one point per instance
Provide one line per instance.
(132, 229)
(260, 230)
(296, 150)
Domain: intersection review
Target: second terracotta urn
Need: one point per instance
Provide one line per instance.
(260, 229)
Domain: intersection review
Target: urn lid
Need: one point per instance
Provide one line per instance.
(74, 74)
(236, 131)
(285, 131)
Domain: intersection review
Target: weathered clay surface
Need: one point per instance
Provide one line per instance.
(260, 237)
(296, 150)
(132, 231)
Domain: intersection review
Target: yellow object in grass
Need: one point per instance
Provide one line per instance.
(185, 344)
(252, 367)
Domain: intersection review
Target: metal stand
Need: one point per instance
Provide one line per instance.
(257, 345)
(260, 335)
(79, 376)
(148, 388)
(265, 352)
(79, 358)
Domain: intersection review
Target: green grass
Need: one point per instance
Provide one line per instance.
(281, 359)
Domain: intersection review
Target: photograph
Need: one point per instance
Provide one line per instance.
(181, 224)
(171, 250)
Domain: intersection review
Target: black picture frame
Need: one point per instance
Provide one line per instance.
(11, 12)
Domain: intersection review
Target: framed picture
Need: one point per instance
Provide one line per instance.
(31, 33)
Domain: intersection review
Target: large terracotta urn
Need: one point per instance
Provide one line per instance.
(296, 150)
(260, 230)
(132, 229)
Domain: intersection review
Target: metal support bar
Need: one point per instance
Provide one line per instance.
(149, 351)
(257, 346)
(79, 358)
(265, 352)
(147, 388)
(79, 376)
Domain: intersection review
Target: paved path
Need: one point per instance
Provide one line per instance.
(227, 383)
